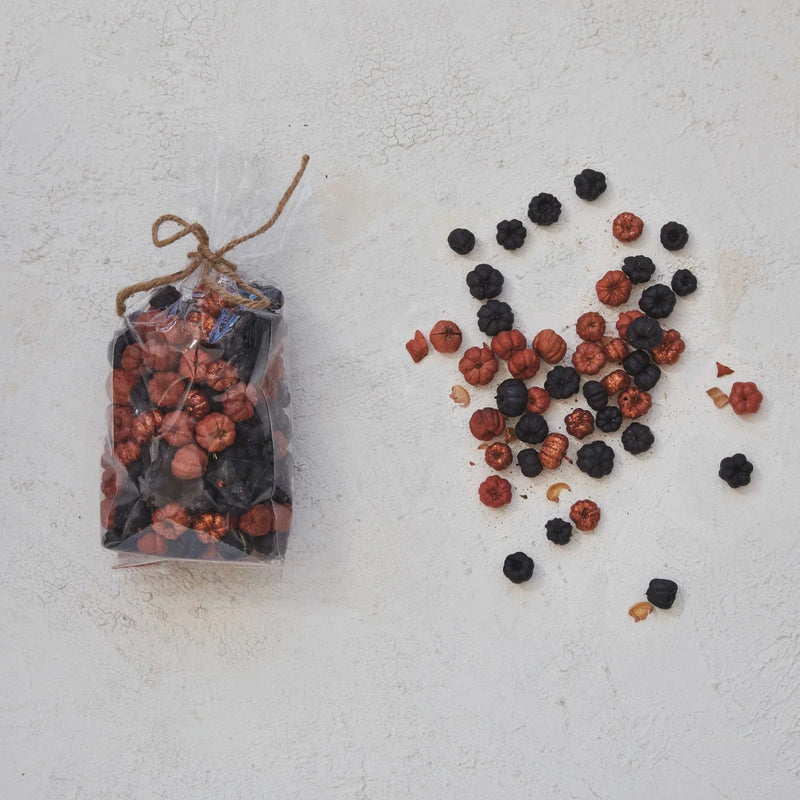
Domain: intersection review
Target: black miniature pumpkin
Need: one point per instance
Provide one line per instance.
(596, 459)
(512, 397)
(531, 428)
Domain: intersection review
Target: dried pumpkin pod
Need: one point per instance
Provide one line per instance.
(460, 396)
(718, 396)
(554, 491)
(723, 370)
(418, 346)
(640, 611)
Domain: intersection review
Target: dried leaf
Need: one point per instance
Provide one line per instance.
(640, 611)
(555, 490)
(718, 396)
(723, 370)
(460, 396)
(511, 435)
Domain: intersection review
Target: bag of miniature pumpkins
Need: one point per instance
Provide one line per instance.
(197, 463)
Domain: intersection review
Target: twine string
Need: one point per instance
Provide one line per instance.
(207, 260)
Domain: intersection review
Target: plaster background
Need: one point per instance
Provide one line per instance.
(389, 658)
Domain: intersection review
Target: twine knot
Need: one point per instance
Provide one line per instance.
(205, 259)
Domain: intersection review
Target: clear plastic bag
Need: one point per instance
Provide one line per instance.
(198, 463)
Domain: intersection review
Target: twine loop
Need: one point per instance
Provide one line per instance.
(206, 260)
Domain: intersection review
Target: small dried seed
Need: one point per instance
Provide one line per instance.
(555, 490)
(640, 611)
(718, 396)
(460, 396)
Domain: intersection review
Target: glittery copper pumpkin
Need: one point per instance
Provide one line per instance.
(127, 452)
(220, 375)
(553, 450)
(634, 403)
(579, 423)
(585, 514)
(196, 403)
(145, 425)
(615, 349)
(198, 325)
(209, 526)
(498, 455)
(627, 227)
(616, 381)
(670, 349)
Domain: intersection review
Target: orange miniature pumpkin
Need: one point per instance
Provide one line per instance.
(538, 400)
(614, 288)
(506, 343)
(550, 346)
(445, 336)
(478, 365)
(590, 326)
(487, 423)
(625, 319)
(588, 358)
(745, 397)
(523, 364)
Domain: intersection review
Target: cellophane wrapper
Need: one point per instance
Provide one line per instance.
(198, 463)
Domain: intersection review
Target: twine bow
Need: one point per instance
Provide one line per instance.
(206, 260)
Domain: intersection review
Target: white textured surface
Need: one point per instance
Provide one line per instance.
(390, 658)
